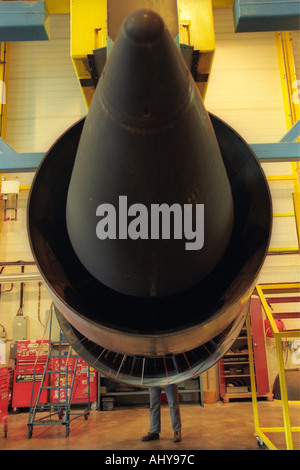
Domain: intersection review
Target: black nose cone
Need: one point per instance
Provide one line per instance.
(149, 208)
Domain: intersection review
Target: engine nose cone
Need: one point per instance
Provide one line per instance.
(149, 207)
(144, 26)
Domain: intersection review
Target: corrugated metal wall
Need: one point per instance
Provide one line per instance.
(244, 87)
(44, 96)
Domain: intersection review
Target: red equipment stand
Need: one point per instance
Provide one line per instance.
(4, 397)
(27, 352)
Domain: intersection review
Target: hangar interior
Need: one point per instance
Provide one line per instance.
(247, 70)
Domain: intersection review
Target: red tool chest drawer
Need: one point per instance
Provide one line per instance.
(27, 352)
(4, 397)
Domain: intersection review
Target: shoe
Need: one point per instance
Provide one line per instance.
(177, 436)
(151, 436)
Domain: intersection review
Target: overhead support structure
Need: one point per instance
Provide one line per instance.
(266, 15)
(196, 29)
(88, 32)
(24, 21)
(95, 24)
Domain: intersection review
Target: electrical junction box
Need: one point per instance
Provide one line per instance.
(19, 328)
(3, 335)
(10, 186)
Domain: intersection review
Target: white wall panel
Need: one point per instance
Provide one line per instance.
(44, 95)
(244, 87)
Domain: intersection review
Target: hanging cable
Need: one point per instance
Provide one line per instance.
(20, 311)
(39, 303)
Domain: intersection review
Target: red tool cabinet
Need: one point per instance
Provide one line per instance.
(87, 376)
(83, 379)
(4, 397)
(27, 352)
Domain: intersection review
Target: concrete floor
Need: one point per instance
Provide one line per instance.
(216, 426)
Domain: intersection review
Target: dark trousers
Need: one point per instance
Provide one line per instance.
(173, 401)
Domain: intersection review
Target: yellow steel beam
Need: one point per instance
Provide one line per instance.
(288, 77)
(199, 15)
(223, 3)
(287, 286)
(58, 7)
(252, 372)
(4, 70)
(267, 309)
(284, 214)
(282, 178)
(291, 107)
(88, 32)
(296, 200)
(280, 428)
(196, 27)
(284, 248)
(258, 431)
(283, 392)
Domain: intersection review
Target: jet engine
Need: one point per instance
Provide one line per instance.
(149, 219)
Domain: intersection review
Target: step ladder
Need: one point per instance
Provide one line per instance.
(58, 409)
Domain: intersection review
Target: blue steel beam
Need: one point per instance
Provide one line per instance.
(287, 150)
(11, 162)
(279, 152)
(293, 134)
(24, 21)
(20, 162)
(266, 15)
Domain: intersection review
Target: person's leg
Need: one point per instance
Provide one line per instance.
(154, 415)
(173, 401)
(155, 409)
